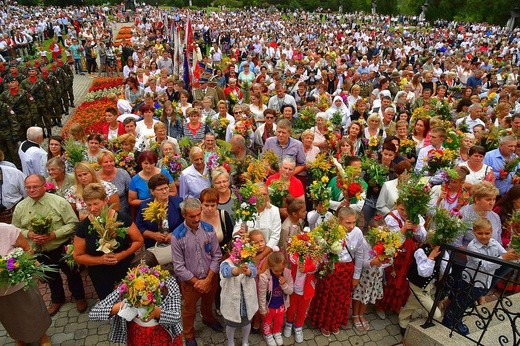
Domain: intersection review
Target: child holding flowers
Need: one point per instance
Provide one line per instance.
(380, 247)
(396, 292)
(294, 223)
(237, 279)
(161, 323)
(330, 307)
(304, 255)
(274, 288)
(256, 238)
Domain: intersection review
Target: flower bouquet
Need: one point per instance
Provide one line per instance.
(156, 212)
(218, 126)
(50, 187)
(510, 166)
(114, 145)
(68, 257)
(330, 236)
(278, 190)
(19, 267)
(349, 181)
(304, 246)
(407, 147)
(245, 205)
(256, 171)
(74, 152)
(40, 225)
(127, 162)
(376, 173)
(108, 230)
(272, 160)
(453, 139)
(213, 161)
(320, 167)
(441, 108)
(319, 191)
(185, 145)
(174, 164)
(385, 243)
(305, 120)
(141, 290)
(336, 120)
(445, 227)
(512, 229)
(438, 159)
(373, 143)
(242, 251)
(415, 196)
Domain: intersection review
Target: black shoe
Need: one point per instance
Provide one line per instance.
(255, 330)
(462, 329)
(191, 342)
(58, 123)
(215, 325)
(72, 105)
(403, 331)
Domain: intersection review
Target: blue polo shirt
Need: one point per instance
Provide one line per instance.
(495, 159)
(293, 148)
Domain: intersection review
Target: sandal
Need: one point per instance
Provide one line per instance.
(366, 324)
(358, 325)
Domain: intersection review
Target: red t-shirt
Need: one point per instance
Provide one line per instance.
(295, 186)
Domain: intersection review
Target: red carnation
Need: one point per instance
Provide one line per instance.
(379, 249)
(354, 189)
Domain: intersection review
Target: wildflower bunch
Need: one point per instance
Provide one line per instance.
(437, 159)
(446, 227)
(246, 203)
(271, 159)
(155, 212)
(256, 171)
(415, 195)
(319, 191)
(304, 245)
(385, 243)
(141, 288)
(68, 257)
(407, 147)
(453, 139)
(331, 237)
(376, 172)
(126, 161)
(218, 126)
(305, 120)
(50, 187)
(74, 152)
(242, 251)
(19, 267)
(278, 190)
(108, 230)
(320, 167)
(174, 164)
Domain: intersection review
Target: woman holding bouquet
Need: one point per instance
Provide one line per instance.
(330, 307)
(107, 263)
(58, 175)
(355, 134)
(151, 230)
(22, 310)
(162, 327)
(452, 195)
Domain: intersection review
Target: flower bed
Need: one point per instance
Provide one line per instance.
(125, 33)
(101, 83)
(90, 114)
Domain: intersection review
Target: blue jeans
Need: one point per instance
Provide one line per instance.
(77, 65)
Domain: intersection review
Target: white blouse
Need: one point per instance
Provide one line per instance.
(354, 251)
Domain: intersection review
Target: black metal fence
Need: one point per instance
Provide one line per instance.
(459, 289)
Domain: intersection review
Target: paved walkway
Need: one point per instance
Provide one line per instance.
(72, 328)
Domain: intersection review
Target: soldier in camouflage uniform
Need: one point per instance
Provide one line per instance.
(41, 92)
(55, 106)
(366, 87)
(68, 86)
(9, 134)
(22, 104)
(63, 79)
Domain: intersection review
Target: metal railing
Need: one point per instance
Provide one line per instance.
(459, 284)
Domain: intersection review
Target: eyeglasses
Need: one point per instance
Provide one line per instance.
(34, 187)
(269, 117)
(239, 112)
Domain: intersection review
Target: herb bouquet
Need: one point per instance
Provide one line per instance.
(108, 230)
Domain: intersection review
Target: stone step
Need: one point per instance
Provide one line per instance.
(439, 335)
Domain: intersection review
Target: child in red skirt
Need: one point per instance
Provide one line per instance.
(396, 289)
(274, 288)
(330, 307)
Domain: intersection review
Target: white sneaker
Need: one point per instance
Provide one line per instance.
(298, 335)
(287, 331)
(270, 340)
(278, 339)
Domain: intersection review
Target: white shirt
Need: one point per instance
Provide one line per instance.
(33, 160)
(470, 122)
(387, 197)
(483, 277)
(354, 250)
(13, 186)
(315, 219)
(475, 177)
(191, 182)
(394, 226)
(268, 222)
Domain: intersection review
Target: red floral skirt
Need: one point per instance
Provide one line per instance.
(330, 306)
(150, 336)
(396, 289)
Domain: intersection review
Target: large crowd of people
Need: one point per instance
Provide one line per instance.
(294, 91)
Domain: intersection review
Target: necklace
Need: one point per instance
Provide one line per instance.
(451, 199)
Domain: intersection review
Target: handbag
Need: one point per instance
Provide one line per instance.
(162, 252)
